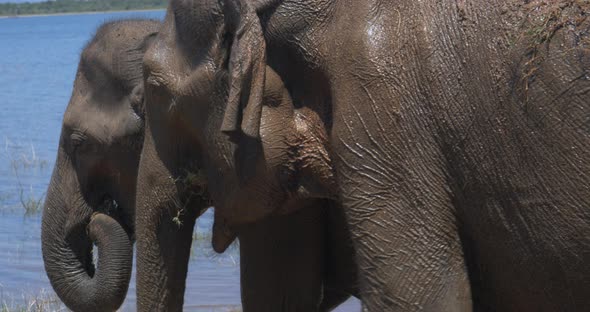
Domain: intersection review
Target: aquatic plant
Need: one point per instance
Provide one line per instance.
(21, 161)
(31, 204)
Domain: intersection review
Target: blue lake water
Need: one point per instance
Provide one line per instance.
(38, 60)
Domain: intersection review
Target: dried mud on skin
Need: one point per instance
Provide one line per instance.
(567, 22)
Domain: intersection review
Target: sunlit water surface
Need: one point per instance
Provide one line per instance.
(38, 59)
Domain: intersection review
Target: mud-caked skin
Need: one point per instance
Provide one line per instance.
(457, 138)
(91, 196)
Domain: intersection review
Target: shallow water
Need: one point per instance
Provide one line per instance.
(38, 60)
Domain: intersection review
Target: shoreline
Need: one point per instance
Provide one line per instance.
(78, 13)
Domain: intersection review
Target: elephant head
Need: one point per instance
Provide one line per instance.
(91, 196)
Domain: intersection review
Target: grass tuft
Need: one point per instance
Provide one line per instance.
(22, 162)
(31, 204)
(41, 302)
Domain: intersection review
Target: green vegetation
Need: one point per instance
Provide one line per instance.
(75, 6)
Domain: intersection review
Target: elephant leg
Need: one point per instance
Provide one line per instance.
(340, 276)
(410, 258)
(281, 260)
(393, 181)
(408, 249)
(411, 268)
(164, 225)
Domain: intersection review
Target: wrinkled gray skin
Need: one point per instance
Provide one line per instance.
(458, 132)
(91, 196)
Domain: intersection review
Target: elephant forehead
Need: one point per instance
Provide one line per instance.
(162, 65)
(104, 123)
(196, 17)
(173, 67)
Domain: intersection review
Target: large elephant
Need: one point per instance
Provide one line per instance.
(91, 196)
(456, 132)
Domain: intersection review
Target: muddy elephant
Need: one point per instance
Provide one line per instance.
(91, 195)
(454, 134)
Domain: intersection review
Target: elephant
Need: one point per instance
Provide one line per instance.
(91, 195)
(303, 261)
(453, 135)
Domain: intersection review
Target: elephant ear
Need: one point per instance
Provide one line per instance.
(247, 61)
(137, 96)
(137, 101)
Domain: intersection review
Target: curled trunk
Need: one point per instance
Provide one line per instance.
(67, 254)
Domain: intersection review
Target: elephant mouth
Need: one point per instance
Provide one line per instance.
(108, 205)
(111, 207)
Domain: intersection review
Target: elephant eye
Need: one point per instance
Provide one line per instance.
(77, 139)
(136, 100)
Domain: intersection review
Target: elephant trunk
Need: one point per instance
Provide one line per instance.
(67, 254)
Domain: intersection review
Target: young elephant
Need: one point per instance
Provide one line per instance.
(300, 262)
(91, 196)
